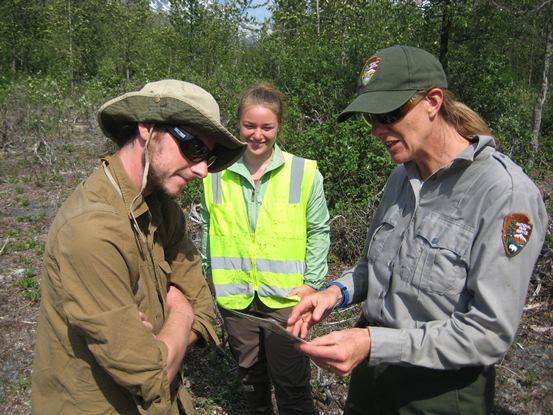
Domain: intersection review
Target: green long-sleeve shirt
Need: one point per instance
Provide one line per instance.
(318, 229)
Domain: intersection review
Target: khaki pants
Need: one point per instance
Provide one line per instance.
(264, 358)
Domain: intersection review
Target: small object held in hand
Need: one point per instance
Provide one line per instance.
(268, 323)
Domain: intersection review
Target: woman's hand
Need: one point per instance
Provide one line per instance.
(312, 309)
(339, 351)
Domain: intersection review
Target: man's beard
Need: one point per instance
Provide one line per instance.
(155, 184)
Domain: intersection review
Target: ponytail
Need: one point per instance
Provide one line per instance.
(466, 121)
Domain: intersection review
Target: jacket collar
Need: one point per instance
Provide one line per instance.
(478, 143)
(240, 167)
(479, 146)
(128, 191)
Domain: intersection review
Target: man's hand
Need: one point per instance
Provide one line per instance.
(303, 291)
(176, 331)
(312, 309)
(339, 351)
(145, 322)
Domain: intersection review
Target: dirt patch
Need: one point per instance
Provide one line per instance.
(34, 181)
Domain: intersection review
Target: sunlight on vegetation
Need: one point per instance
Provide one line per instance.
(216, 45)
(30, 285)
(60, 66)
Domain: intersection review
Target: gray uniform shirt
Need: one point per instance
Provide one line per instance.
(439, 289)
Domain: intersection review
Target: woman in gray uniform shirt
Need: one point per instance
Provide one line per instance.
(448, 257)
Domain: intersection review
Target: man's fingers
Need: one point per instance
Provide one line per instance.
(145, 321)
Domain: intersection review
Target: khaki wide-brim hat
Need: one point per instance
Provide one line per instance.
(172, 102)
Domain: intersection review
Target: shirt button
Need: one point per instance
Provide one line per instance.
(435, 240)
(382, 294)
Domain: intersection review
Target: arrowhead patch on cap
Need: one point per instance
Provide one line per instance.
(517, 228)
(369, 69)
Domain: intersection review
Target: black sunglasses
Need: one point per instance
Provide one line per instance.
(193, 148)
(395, 115)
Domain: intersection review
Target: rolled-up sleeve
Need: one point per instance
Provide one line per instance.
(186, 268)
(318, 235)
(204, 248)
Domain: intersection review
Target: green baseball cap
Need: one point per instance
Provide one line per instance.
(172, 102)
(391, 77)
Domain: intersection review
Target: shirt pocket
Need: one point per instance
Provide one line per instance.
(152, 292)
(441, 248)
(165, 274)
(383, 232)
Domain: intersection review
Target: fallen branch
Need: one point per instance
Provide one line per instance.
(334, 218)
(49, 154)
(4, 246)
(539, 329)
(511, 371)
(325, 386)
(536, 291)
(193, 214)
(336, 323)
(4, 320)
(534, 306)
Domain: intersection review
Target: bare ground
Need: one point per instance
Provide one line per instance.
(37, 172)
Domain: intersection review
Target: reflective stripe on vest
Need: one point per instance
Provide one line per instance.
(223, 290)
(270, 261)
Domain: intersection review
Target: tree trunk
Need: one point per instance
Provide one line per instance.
(540, 101)
(318, 19)
(444, 33)
(14, 61)
(71, 75)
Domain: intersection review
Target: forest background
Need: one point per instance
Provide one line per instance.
(61, 59)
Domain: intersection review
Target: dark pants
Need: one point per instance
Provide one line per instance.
(387, 390)
(264, 358)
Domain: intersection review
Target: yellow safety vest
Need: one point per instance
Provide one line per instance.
(271, 260)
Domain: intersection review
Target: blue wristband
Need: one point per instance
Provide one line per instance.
(345, 293)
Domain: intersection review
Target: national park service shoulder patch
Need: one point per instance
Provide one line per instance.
(517, 229)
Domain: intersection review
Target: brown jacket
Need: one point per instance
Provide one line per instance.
(93, 355)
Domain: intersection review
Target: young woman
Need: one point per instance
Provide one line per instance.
(265, 243)
(449, 252)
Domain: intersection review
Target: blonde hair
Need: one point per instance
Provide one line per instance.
(466, 121)
(264, 94)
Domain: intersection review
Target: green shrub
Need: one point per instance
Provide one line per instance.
(30, 285)
(354, 164)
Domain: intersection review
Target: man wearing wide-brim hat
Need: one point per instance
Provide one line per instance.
(123, 295)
